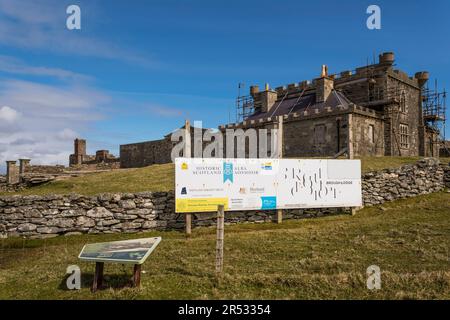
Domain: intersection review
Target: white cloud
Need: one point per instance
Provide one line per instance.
(15, 66)
(41, 25)
(72, 101)
(45, 118)
(166, 111)
(67, 134)
(8, 115)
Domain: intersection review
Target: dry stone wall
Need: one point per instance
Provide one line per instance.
(426, 176)
(51, 215)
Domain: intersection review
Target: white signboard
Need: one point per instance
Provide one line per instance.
(265, 184)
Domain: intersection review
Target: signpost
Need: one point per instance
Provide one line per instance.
(126, 252)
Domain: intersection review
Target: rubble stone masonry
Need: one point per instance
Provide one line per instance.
(52, 215)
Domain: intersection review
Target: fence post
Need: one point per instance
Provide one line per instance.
(219, 241)
(350, 151)
(187, 154)
(280, 156)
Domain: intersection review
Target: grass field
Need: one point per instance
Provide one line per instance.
(306, 259)
(161, 178)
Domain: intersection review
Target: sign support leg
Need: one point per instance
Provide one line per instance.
(98, 276)
(219, 242)
(279, 216)
(188, 221)
(280, 137)
(137, 276)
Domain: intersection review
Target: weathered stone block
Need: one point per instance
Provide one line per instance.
(48, 230)
(26, 227)
(85, 221)
(127, 204)
(99, 212)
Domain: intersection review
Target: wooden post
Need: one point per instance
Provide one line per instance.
(219, 242)
(355, 209)
(98, 276)
(280, 156)
(137, 276)
(279, 216)
(350, 137)
(188, 223)
(187, 154)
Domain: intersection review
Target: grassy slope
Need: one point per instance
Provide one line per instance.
(315, 258)
(161, 178)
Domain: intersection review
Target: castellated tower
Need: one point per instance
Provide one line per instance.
(79, 152)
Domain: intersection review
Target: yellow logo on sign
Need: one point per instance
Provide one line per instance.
(184, 166)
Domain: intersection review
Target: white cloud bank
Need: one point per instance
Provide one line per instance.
(8, 115)
(39, 121)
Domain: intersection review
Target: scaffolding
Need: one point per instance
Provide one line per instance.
(434, 112)
(434, 105)
(245, 106)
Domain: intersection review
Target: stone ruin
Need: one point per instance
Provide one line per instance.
(102, 159)
(25, 175)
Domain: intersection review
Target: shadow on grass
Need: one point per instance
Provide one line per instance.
(113, 281)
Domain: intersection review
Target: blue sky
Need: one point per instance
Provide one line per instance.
(138, 68)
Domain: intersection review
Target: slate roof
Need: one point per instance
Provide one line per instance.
(291, 105)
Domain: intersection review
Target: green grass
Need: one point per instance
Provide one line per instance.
(161, 178)
(323, 258)
(380, 163)
(152, 178)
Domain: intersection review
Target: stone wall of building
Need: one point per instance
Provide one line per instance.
(368, 136)
(317, 137)
(444, 150)
(404, 110)
(143, 154)
(45, 216)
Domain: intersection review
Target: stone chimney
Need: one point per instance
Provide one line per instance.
(23, 165)
(12, 173)
(268, 99)
(254, 91)
(324, 85)
(386, 58)
(422, 77)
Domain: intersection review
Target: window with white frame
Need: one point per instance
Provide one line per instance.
(404, 136)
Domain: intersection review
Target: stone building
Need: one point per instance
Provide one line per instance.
(82, 159)
(445, 149)
(375, 110)
(146, 153)
(142, 154)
